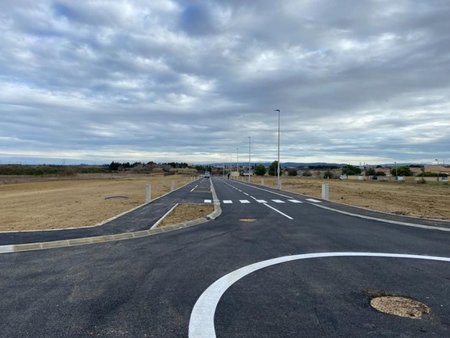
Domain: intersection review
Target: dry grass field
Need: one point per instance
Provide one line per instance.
(75, 202)
(187, 212)
(430, 200)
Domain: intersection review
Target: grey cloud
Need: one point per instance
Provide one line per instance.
(351, 78)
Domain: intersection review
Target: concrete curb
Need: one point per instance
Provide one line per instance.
(106, 220)
(96, 239)
(416, 218)
(11, 248)
(217, 209)
(216, 213)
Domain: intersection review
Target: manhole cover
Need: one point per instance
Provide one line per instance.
(247, 219)
(400, 306)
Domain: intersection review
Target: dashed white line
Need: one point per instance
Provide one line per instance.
(281, 213)
(194, 188)
(244, 201)
(201, 322)
(313, 200)
(278, 201)
(295, 201)
(227, 201)
(245, 193)
(207, 201)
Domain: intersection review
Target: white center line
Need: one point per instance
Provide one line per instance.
(244, 201)
(245, 193)
(194, 188)
(227, 201)
(282, 213)
(295, 201)
(278, 201)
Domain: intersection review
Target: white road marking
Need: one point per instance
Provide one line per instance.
(6, 248)
(295, 201)
(207, 201)
(261, 201)
(245, 193)
(227, 202)
(313, 200)
(414, 225)
(164, 216)
(244, 201)
(201, 322)
(194, 188)
(282, 213)
(278, 201)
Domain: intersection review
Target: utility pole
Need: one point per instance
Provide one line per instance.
(278, 167)
(237, 161)
(249, 155)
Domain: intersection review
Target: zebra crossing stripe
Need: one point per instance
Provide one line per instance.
(295, 201)
(244, 201)
(207, 201)
(313, 200)
(278, 201)
(260, 201)
(227, 202)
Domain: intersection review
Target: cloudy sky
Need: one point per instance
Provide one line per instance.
(95, 81)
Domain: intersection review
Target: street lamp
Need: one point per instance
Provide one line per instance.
(237, 161)
(278, 167)
(249, 155)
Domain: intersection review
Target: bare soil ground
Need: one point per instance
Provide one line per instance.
(187, 212)
(430, 200)
(76, 202)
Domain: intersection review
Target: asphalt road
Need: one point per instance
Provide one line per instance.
(148, 287)
(141, 219)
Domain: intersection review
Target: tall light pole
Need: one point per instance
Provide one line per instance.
(249, 155)
(237, 161)
(278, 167)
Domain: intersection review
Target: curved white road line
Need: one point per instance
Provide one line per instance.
(201, 323)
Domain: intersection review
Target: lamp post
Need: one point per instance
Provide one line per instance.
(278, 167)
(237, 161)
(249, 155)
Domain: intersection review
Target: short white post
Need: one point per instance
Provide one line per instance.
(172, 186)
(262, 181)
(325, 191)
(148, 193)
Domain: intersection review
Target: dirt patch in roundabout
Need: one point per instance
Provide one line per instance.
(186, 212)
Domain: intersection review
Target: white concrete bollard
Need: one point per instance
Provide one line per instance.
(325, 191)
(148, 193)
(262, 181)
(172, 186)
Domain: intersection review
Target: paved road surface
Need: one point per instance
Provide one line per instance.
(148, 287)
(140, 219)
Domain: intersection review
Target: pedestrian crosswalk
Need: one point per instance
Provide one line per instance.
(278, 201)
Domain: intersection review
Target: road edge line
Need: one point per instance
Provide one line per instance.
(414, 225)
